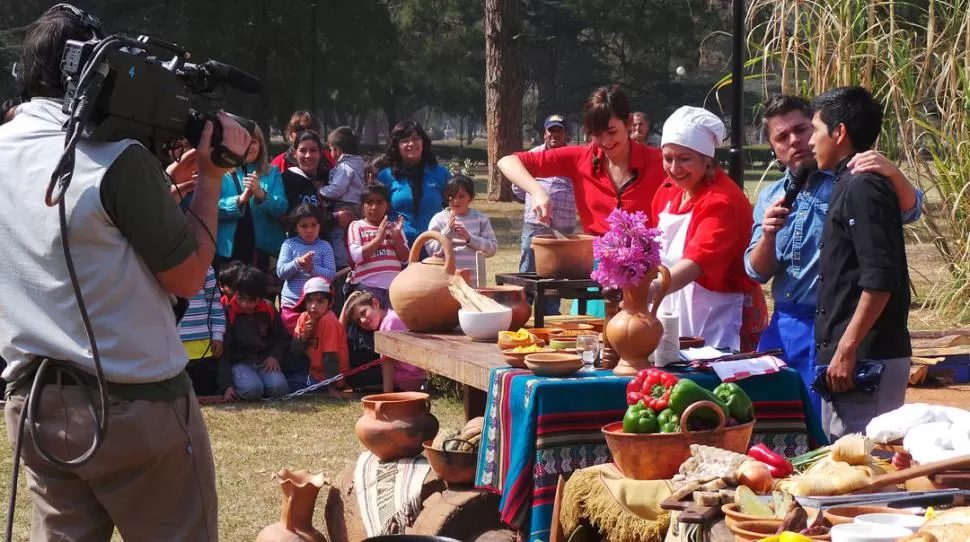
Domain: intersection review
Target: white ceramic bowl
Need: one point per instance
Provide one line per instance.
(906, 521)
(867, 532)
(484, 326)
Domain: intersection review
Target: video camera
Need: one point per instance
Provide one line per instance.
(145, 89)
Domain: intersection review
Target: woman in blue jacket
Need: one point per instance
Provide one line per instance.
(251, 206)
(415, 179)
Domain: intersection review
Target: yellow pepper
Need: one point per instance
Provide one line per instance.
(789, 536)
(772, 538)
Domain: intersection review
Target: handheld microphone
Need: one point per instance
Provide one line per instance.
(798, 179)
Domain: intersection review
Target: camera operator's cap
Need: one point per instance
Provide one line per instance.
(695, 128)
(313, 285)
(554, 121)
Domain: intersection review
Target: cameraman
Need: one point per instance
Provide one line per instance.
(153, 477)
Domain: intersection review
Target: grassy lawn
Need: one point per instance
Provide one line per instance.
(251, 442)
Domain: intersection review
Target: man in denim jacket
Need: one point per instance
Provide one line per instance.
(785, 243)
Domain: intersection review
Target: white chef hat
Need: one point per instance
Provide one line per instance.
(695, 128)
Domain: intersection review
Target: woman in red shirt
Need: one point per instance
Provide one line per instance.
(612, 171)
(706, 223)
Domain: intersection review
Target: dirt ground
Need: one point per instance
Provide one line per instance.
(955, 395)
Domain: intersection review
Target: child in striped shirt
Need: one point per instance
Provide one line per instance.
(201, 331)
(469, 230)
(303, 255)
(377, 247)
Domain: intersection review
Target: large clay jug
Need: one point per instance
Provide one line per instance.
(419, 294)
(300, 491)
(634, 332)
(395, 424)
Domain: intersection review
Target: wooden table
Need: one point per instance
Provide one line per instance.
(451, 355)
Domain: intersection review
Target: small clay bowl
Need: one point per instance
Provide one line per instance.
(691, 342)
(553, 364)
(517, 359)
(751, 531)
(838, 515)
(732, 515)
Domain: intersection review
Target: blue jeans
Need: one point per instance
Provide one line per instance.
(252, 383)
(527, 263)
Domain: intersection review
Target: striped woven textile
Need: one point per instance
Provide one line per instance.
(537, 429)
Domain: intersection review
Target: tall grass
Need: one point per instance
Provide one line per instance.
(915, 57)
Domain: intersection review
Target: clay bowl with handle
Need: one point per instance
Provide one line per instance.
(453, 467)
(658, 456)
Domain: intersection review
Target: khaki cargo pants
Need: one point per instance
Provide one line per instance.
(153, 477)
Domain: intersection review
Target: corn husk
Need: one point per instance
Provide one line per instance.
(828, 477)
(854, 449)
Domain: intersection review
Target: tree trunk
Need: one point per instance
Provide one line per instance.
(503, 90)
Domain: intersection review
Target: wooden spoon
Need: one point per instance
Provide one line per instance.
(893, 478)
(558, 234)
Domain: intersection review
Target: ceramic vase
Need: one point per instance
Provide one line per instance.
(300, 491)
(634, 332)
(394, 425)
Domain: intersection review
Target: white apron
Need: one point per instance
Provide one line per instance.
(716, 316)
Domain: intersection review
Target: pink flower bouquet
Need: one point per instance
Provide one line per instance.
(627, 251)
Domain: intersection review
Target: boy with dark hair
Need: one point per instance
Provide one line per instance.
(343, 192)
(254, 342)
(863, 296)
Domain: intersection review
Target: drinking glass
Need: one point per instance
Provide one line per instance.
(588, 346)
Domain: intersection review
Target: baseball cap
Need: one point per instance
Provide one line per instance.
(312, 286)
(554, 120)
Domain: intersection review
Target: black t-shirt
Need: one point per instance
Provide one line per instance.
(862, 248)
(299, 189)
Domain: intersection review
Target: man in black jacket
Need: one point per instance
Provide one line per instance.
(863, 298)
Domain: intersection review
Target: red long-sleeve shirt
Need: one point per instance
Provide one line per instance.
(719, 230)
(596, 195)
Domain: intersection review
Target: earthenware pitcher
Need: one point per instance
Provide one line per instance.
(634, 332)
(419, 294)
(300, 491)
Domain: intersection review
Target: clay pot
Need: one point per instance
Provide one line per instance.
(570, 258)
(452, 467)
(512, 297)
(419, 294)
(300, 491)
(394, 425)
(634, 332)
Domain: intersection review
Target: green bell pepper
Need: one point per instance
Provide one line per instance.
(639, 418)
(669, 421)
(738, 403)
(686, 392)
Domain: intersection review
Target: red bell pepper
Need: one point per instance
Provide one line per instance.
(656, 388)
(634, 388)
(777, 464)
